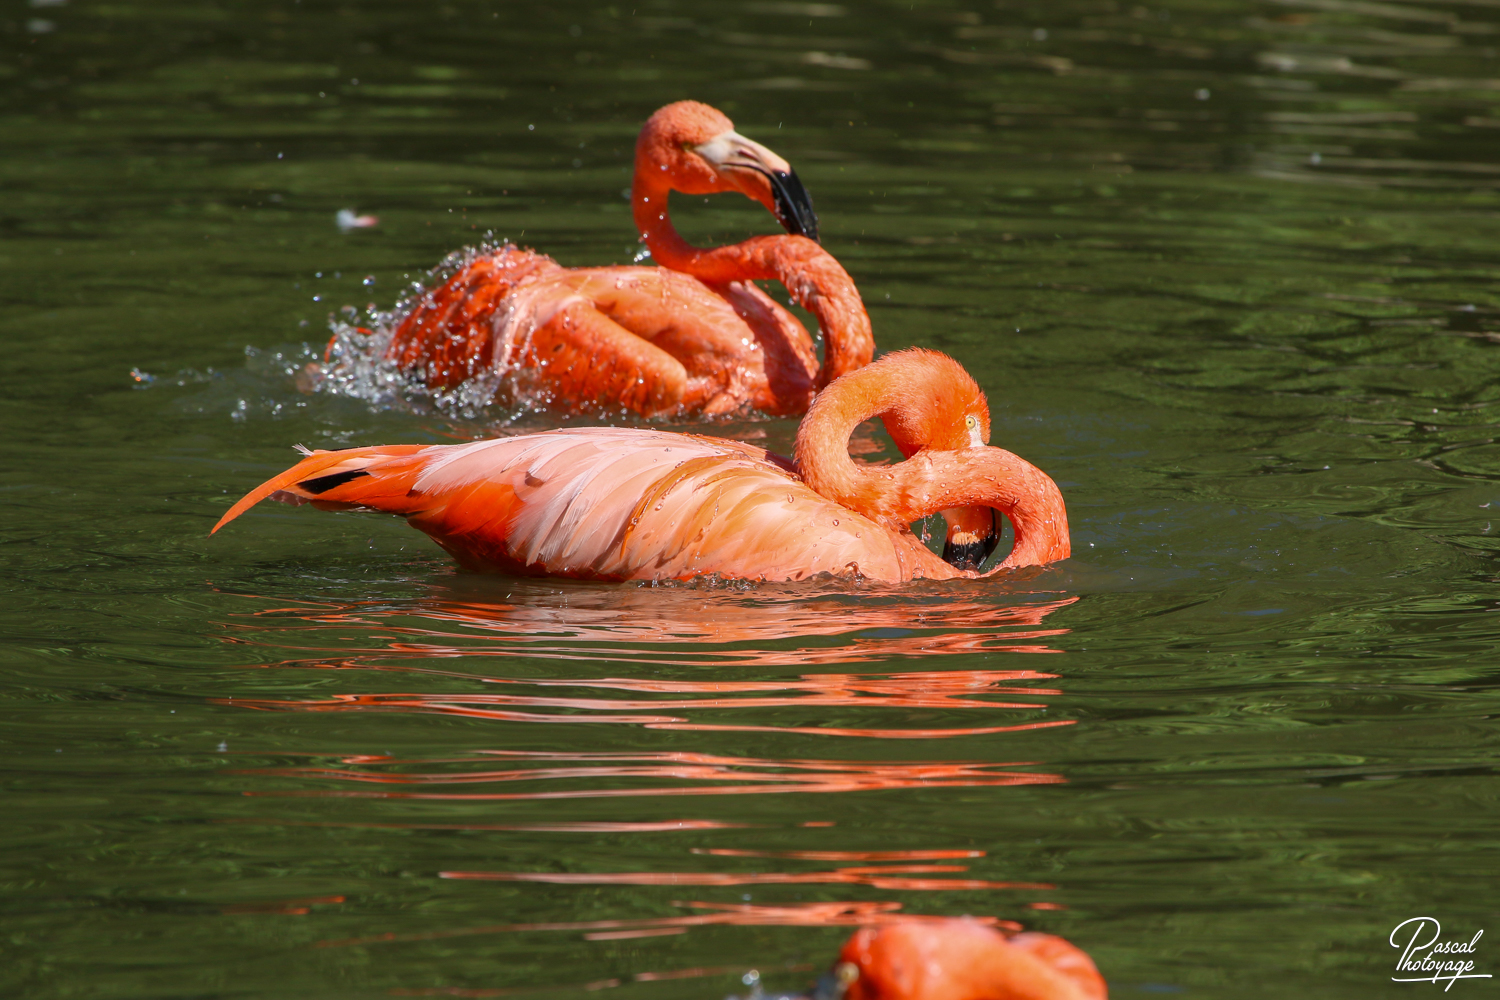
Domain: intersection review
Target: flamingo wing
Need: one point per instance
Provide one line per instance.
(646, 338)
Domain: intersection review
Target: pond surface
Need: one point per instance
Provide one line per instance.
(1228, 271)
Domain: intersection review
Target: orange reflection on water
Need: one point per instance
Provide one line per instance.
(751, 775)
(657, 826)
(730, 852)
(474, 706)
(674, 627)
(847, 914)
(907, 689)
(643, 933)
(882, 877)
(634, 624)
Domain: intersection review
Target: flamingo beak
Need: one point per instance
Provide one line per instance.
(751, 168)
(973, 533)
(794, 207)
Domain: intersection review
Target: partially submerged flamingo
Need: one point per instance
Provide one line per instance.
(960, 959)
(610, 503)
(694, 335)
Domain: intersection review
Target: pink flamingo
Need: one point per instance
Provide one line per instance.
(611, 503)
(694, 336)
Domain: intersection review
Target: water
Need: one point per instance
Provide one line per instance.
(1226, 271)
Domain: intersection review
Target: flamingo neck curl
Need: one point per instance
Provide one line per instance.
(940, 420)
(693, 148)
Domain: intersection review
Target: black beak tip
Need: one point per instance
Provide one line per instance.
(794, 207)
(966, 555)
(971, 555)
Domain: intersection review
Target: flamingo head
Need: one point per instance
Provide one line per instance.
(695, 149)
(935, 404)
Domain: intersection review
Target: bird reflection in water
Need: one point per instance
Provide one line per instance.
(674, 628)
(749, 775)
(665, 638)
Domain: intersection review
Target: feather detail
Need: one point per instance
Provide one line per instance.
(317, 463)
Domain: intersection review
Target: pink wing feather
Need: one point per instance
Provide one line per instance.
(609, 504)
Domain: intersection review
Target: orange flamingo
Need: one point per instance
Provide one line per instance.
(611, 503)
(692, 336)
(961, 959)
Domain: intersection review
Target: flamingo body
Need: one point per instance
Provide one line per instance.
(646, 339)
(963, 959)
(692, 336)
(612, 504)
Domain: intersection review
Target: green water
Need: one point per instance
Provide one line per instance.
(1226, 271)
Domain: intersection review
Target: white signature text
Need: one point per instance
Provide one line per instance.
(1434, 960)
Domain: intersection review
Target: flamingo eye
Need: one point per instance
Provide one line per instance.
(970, 422)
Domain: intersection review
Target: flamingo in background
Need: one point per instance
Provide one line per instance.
(961, 959)
(692, 336)
(611, 503)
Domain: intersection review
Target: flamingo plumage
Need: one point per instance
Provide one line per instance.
(612, 503)
(693, 336)
(963, 959)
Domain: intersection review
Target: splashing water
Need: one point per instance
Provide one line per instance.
(355, 362)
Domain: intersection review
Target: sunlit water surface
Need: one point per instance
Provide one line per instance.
(1226, 271)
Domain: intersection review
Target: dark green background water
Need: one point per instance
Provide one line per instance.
(1226, 270)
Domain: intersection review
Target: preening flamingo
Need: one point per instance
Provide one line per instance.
(961, 959)
(694, 335)
(612, 503)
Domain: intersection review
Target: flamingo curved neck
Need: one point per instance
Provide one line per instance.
(821, 454)
(929, 481)
(815, 280)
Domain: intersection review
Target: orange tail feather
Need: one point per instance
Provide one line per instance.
(316, 463)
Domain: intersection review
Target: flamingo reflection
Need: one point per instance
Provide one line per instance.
(909, 691)
(886, 877)
(697, 627)
(710, 629)
(546, 654)
(711, 774)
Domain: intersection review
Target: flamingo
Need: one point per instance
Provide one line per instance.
(960, 959)
(694, 336)
(614, 503)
